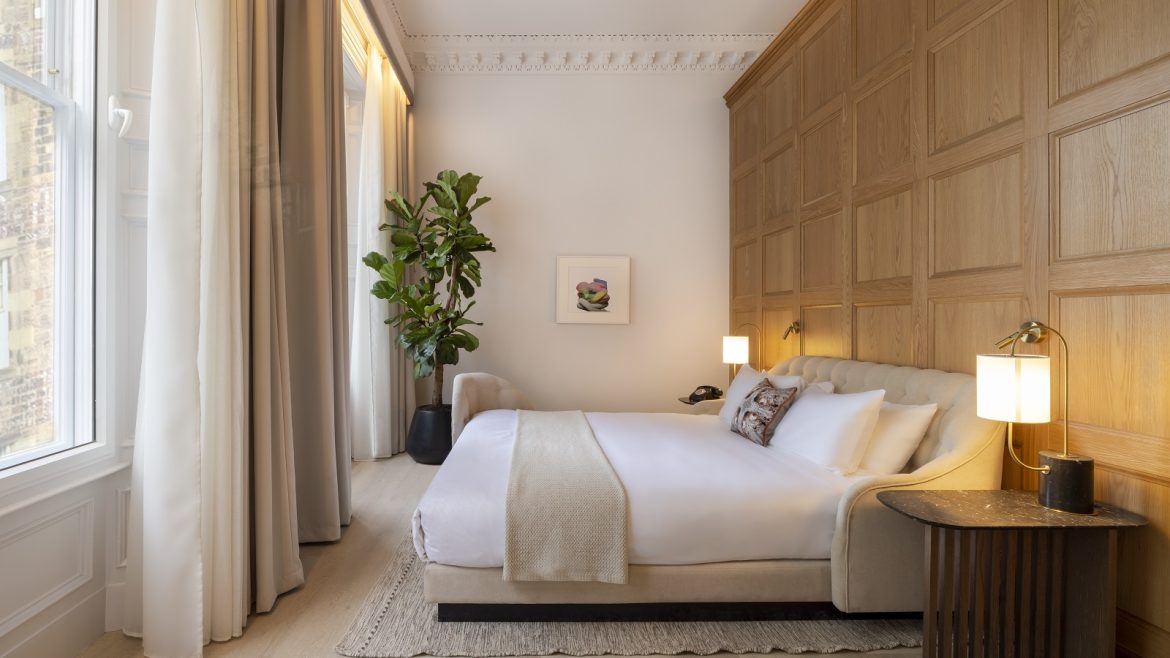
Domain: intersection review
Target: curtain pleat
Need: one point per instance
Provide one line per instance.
(242, 448)
(313, 170)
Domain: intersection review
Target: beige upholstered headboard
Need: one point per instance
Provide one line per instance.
(955, 421)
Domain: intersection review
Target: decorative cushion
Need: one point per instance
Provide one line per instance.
(830, 430)
(899, 430)
(747, 378)
(761, 410)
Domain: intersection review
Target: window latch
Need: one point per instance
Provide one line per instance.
(119, 117)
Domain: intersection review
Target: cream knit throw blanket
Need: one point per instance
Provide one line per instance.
(565, 514)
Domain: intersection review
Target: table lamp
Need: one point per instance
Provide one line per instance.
(1016, 388)
(736, 348)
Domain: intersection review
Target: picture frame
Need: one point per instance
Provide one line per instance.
(593, 289)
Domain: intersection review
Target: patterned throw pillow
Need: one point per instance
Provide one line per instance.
(761, 411)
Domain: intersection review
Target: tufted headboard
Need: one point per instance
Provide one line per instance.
(953, 424)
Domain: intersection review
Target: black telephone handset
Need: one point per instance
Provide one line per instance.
(706, 392)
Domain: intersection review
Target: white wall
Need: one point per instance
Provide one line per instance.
(592, 164)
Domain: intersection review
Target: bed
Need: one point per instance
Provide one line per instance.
(713, 518)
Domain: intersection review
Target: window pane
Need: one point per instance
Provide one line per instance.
(23, 33)
(28, 274)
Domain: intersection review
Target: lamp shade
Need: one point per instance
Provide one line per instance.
(735, 350)
(1014, 389)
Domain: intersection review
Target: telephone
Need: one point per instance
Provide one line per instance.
(706, 392)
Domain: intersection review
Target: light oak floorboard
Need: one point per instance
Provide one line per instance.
(311, 620)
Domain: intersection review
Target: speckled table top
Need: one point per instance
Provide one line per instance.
(999, 509)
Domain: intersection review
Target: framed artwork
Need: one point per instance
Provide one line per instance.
(593, 289)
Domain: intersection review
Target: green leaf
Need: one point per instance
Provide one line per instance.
(466, 186)
(466, 288)
(478, 202)
(374, 260)
(400, 207)
(401, 237)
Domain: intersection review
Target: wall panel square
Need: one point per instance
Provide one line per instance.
(820, 253)
(780, 180)
(747, 201)
(975, 80)
(820, 161)
(822, 66)
(964, 328)
(779, 261)
(745, 269)
(745, 131)
(780, 103)
(976, 216)
(1098, 40)
(881, 128)
(821, 331)
(1112, 185)
(883, 244)
(884, 334)
(881, 28)
(777, 349)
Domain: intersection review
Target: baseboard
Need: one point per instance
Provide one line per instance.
(593, 612)
(67, 634)
(115, 608)
(1138, 637)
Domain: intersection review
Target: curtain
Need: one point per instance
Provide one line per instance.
(381, 383)
(229, 474)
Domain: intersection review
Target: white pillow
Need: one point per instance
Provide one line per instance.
(830, 430)
(899, 430)
(747, 378)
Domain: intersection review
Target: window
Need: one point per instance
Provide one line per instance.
(46, 227)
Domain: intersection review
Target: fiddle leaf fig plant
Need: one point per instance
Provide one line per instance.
(432, 272)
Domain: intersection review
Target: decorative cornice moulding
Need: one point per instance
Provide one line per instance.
(570, 61)
(579, 53)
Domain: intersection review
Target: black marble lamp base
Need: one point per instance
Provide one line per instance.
(1068, 485)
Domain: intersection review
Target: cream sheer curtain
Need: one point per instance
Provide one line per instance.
(381, 383)
(233, 464)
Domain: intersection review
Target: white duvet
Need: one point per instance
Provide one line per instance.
(697, 493)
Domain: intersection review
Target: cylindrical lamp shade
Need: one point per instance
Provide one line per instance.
(1013, 389)
(735, 350)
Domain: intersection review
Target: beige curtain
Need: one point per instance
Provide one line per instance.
(313, 171)
(242, 449)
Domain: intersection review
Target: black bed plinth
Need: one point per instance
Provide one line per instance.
(591, 612)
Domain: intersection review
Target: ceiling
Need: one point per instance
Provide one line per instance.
(587, 35)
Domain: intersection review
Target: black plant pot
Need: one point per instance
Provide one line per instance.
(429, 439)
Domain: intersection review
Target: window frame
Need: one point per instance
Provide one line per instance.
(78, 53)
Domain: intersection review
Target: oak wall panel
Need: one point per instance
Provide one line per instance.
(822, 66)
(779, 261)
(881, 128)
(881, 29)
(882, 238)
(1118, 351)
(1112, 183)
(821, 331)
(884, 334)
(1143, 580)
(745, 270)
(975, 79)
(963, 328)
(976, 216)
(747, 201)
(776, 348)
(780, 102)
(820, 253)
(745, 138)
(820, 161)
(1097, 40)
(780, 177)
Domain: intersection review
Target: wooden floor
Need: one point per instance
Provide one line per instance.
(311, 620)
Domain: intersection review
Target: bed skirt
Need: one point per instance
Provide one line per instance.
(720, 582)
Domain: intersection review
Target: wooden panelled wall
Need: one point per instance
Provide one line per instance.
(911, 179)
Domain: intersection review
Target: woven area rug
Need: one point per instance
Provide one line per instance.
(396, 621)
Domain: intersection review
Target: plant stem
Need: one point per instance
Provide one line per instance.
(452, 299)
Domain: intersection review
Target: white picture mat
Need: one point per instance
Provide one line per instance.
(615, 270)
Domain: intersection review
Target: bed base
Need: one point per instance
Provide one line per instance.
(650, 612)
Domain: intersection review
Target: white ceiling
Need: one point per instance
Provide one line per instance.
(594, 17)
(511, 36)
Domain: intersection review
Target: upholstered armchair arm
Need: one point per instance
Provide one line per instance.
(878, 554)
(706, 408)
(473, 392)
